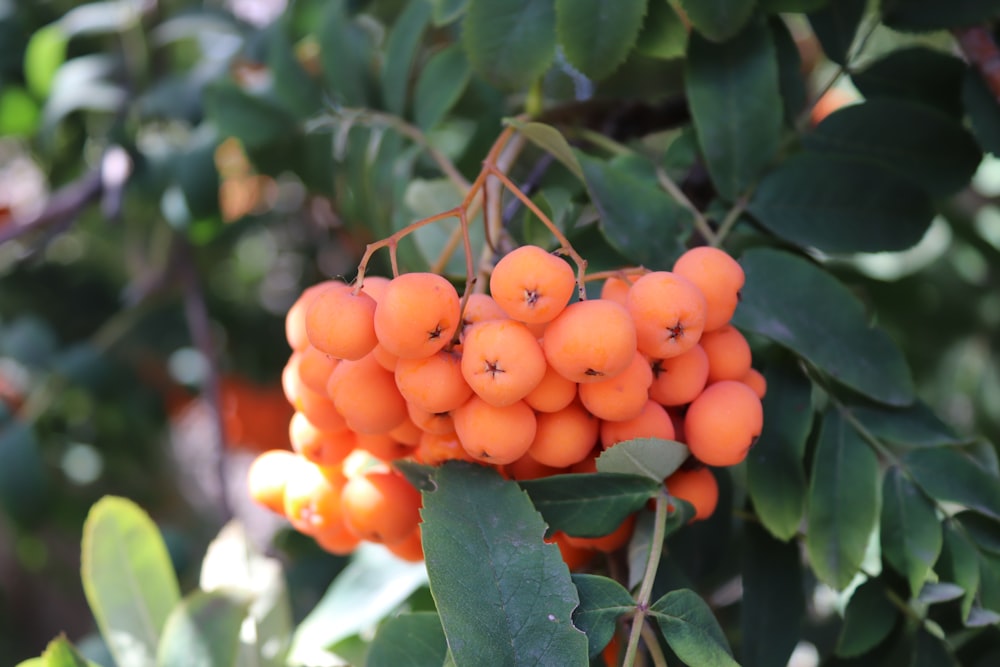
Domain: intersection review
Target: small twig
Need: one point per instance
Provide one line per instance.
(981, 51)
(653, 646)
(732, 217)
(64, 205)
(700, 221)
(649, 576)
(528, 186)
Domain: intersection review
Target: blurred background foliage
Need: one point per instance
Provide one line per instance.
(173, 173)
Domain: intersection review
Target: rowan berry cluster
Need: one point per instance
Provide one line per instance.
(524, 379)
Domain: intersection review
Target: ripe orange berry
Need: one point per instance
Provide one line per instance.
(337, 540)
(342, 323)
(315, 368)
(417, 315)
(381, 506)
(728, 354)
(831, 101)
(295, 319)
(481, 308)
(589, 462)
(383, 446)
(756, 381)
(622, 396)
(553, 393)
(436, 448)
(679, 380)
(407, 433)
(576, 558)
(434, 383)
(613, 541)
(312, 497)
(494, 434)
(616, 289)
(532, 285)
(652, 422)
(291, 380)
(410, 548)
(367, 396)
(320, 410)
(669, 314)
(438, 423)
(590, 341)
(528, 468)
(718, 276)
(324, 448)
(723, 423)
(565, 437)
(374, 286)
(699, 487)
(385, 359)
(502, 361)
(267, 476)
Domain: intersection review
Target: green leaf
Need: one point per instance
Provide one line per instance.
(773, 598)
(949, 476)
(934, 593)
(446, 11)
(60, 652)
(602, 602)
(835, 25)
(128, 579)
(440, 85)
(293, 86)
(791, 80)
(921, 15)
(791, 301)
(910, 530)
(253, 120)
(984, 532)
(345, 55)
(913, 426)
(44, 55)
(400, 50)
(790, 6)
(203, 630)
(919, 142)
(736, 105)
(691, 630)
(505, 596)
(24, 480)
(776, 477)
(19, 113)
(642, 221)
(983, 110)
(931, 651)
(718, 20)
(959, 563)
(588, 505)
(551, 141)
(510, 42)
(597, 34)
(843, 502)
(415, 639)
(372, 585)
(869, 619)
(839, 204)
(989, 583)
(650, 457)
(917, 74)
(663, 34)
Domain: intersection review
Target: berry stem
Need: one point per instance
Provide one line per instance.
(616, 273)
(732, 217)
(700, 221)
(653, 646)
(646, 587)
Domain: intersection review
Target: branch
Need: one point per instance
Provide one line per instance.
(981, 51)
(63, 206)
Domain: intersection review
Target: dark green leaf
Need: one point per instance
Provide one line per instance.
(919, 15)
(293, 86)
(790, 6)
(589, 505)
(24, 481)
(663, 34)
(917, 74)
(983, 110)
(949, 476)
(984, 532)
(736, 105)
(979, 617)
(203, 630)
(446, 11)
(776, 477)
(602, 602)
(400, 50)
(409, 640)
(691, 630)
(843, 502)
(637, 216)
(195, 172)
(345, 53)
(839, 204)
(869, 619)
(774, 601)
(649, 457)
(930, 651)
(441, 83)
(718, 20)
(912, 426)
(989, 581)
(959, 563)
(597, 34)
(551, 141)
(910, 530)
(510, 42)
(934, 593)
(791, 81)
(798, 305)
(505, 597)
(919, 142)
(128, 579)
(835, 25)
(253, 120)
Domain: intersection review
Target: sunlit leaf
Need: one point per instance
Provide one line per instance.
(510, 42)
(588, 505)
(650, 457)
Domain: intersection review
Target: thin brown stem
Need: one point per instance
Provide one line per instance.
(653, 646)
(700, 221)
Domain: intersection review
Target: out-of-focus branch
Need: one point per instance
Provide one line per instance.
(981, 51)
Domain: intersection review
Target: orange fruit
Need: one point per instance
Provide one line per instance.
(723, 422)
(590, 341)
(669, 314)
(565, 437)
(417, 315)
(532, 285)
(697, 486)
(718, 276)
(622, 396)
(502, 361)
(679, 380)
(495, 434)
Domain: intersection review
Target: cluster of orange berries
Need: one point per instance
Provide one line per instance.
(521, 379)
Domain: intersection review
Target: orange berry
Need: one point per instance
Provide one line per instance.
(342, 323)
(699, 487)
(434, 383)
(590, 341)
(321, 447)
(728, 354)
(756, 381)
(588, 464)
(438, 423)
(361, 461)
(723, 423)
(436, 448)
(290, 378)
(312, 497)
(622, 396)
(320, 410)
(295, 319)
(532, 285)
(495, 434)
(374, 286)
(718, 276)
(383, 446)
(410, 548)
(385, 359)
(831, 100)
(553, 393)
(417, 315)
(481, 308)
(502, 361)
(669, 314)
(380, 506)
(367, 396)
(613, 541)
(267, 476)
(677, 419)
(616, 289)
(315, 368)
(576, 558)
(407, 433)
(337, 540)
(528, 468)
(652, 422)
(565, 437)
(679, 380)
